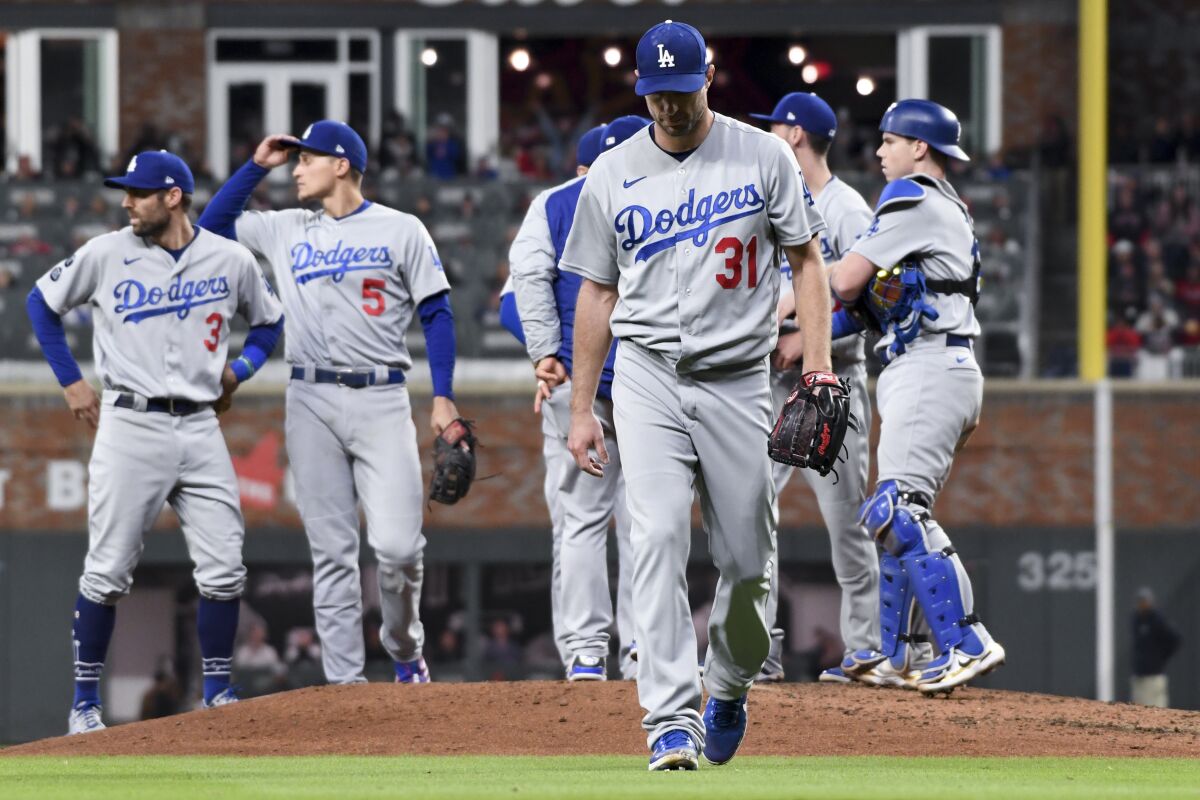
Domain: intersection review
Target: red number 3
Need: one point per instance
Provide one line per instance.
(732, 248)
(370, 292)
(216, 321)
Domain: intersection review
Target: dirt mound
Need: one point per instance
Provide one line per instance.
(544, 718)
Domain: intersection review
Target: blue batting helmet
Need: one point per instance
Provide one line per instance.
(933, 124)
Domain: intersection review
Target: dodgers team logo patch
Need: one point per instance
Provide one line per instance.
(638, 223)
(138, 302)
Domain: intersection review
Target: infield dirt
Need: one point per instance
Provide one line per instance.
(555, 718)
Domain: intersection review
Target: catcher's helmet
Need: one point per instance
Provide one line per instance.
(925, 120)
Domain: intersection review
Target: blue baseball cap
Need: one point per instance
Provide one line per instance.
(671, 57)
(330, 137)
(806, 110)
(589, 146)
(155, 169)
(621, 129)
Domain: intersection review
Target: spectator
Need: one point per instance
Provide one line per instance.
(302, 647)
(500, 648)
(1125, 288)
(1154, 642)
(8, 278)
(1157, 326)
(1127, 220)
(1123, 343)
(1164, 143)
(163, 697)
(256, 653)
(73, 151)
(448, 648)
(1187, 291)
(398, 147)
(1157, 282)
(444, 153)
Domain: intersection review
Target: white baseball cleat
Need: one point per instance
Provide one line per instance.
(223, 698)
(85, 718)
(955, 668)
(587, 668)
(875, 669)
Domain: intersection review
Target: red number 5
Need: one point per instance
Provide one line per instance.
(731, 278)
(370, 287)
(215, 320)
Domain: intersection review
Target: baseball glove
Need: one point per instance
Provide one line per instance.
(812, 423)
(453, 462)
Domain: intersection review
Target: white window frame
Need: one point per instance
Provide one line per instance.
(482, 125)
(912, 70)
(277, 76)
(23, 88)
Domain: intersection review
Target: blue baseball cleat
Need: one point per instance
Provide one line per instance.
(225, 697)
(587, 668)
(412, 671)
(833, 675)
(724, 728)
(675, 749)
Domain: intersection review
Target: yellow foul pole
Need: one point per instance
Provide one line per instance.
(1093, 158)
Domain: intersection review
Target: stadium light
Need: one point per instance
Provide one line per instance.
(810, 74)
(519, 59)
(797, 54)
(708, 54)
(865, 86)
(612, 56)
(429, 56)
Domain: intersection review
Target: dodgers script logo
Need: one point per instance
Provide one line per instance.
(638, 223)
(180, 296)
(309, 263)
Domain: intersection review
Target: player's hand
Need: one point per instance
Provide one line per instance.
(444, 412)
(789, 351)
(229, 385)
(585, 436)
(540, 396)
(271, 152)
(552, 371)
(83, 402)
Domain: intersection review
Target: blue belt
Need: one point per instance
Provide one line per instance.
(954, 340)
(164, 405)
(348, 377)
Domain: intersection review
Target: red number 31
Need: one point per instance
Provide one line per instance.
(733, 250)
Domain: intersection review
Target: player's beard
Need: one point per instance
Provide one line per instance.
(153, 226)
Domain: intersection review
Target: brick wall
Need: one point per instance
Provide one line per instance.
(1030, 464)
(163, 82)
(1040, 66)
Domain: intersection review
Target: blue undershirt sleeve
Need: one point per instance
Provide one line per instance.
(48, 328)
(221, 213)
(260, 342)
(844, 325)
(510, 318)
(437, 320)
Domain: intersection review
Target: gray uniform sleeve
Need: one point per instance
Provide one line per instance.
(420, 266)
(254, 230)
(72, 281)
(532, 268)
(895, 234)
(591, 249)
(846, 226)
(789, 203)
(257, 302)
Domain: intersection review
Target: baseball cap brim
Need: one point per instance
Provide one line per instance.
(954, 151)
(773, 118)
(124, 182)
(670, 83)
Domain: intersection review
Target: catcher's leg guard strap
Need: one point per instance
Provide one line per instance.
(897, 605)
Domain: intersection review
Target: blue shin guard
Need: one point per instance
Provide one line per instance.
(897, 606)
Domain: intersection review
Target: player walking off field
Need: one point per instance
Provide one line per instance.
(915, 274)
(351, 274)
(676, 234)
(581, 506)
(808, 125)
(162, 294)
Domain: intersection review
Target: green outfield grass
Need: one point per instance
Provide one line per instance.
(608, 777)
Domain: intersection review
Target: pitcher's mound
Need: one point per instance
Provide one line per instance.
(543, 718)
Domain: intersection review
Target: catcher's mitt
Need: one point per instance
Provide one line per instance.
(453, 463)
(812, 423)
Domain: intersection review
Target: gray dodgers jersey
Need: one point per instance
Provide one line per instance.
(846, 216)
(693, 246)
(161, 325)
(349, 285)
(931, 225)
(531, 260)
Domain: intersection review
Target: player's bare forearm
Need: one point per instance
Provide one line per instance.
(593, 338)
(811, 286)
(848, 277)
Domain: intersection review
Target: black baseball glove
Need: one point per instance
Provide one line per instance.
(453, 462)
(812, 423)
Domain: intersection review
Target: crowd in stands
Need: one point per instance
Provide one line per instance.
(1154, 274)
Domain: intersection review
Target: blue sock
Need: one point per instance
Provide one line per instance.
(216, 625)
(90, 635)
